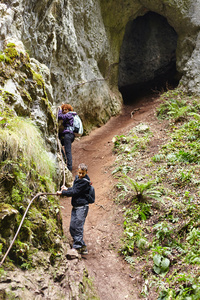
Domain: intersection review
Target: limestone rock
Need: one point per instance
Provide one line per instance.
(80, 42)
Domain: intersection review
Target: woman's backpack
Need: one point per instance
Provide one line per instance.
(77, 127)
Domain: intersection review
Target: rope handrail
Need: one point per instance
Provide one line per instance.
(60, 151)
(22, 220)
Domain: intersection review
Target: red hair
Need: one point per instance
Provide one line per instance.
(67, 106)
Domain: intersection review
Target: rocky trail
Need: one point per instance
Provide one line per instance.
(113, 278)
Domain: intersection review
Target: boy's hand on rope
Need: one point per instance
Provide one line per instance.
(63, 188)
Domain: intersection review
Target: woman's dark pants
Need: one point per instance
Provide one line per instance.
(78, 216)
(68, 140)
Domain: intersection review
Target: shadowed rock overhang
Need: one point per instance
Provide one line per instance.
(147, 56)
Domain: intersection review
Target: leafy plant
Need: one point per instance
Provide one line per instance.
(188, 288)
(161, 264)
(175, 220)
(174, 107)
(124, 169)
(130, 260)
(142, 190)
(195, 115)
(163, 231)
(133, 237)
(194, 236)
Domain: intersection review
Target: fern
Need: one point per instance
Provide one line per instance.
(142, 190)
(195, 115)
(177, 112)
(129, 260)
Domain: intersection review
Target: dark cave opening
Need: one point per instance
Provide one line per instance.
(147, 61)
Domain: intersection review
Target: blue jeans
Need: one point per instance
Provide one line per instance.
(78, 216)
(68, 140)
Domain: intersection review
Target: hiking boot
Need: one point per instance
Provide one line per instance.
(83, 250)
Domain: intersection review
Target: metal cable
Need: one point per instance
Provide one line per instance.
(93, 80)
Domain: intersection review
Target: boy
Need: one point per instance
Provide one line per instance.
(80, 207)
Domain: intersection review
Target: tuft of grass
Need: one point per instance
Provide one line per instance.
(20, 139)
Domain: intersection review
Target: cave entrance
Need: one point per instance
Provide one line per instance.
(147, 57)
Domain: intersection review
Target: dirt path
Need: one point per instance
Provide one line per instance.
(113, 278)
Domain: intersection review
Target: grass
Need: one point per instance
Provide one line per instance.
(160, 196)
(22, 139)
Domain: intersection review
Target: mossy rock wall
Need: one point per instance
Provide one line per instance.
(80, 42)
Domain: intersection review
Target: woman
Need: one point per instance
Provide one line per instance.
(67, 136)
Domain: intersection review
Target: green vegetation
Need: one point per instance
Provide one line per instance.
(4, 58)
(9, 53)
(160, 196)
(26, 168)
(87, 290)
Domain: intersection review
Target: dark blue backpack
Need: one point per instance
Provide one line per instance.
(91, 194)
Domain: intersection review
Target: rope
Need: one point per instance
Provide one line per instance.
(60, 151)
(37, 195)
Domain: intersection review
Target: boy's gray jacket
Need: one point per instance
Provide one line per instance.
(78, 191)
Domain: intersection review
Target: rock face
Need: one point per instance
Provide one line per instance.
(70, 40)
(60, 281)
(79, 41)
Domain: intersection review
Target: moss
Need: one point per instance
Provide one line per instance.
(5, 110)
(6, 210)
(11, 51)
(86, 288)
(24, 58)
(7, 97)
(18, 175)
(16, 195)
(38, 78)
(26, 96)
(4, 58)
(12, 45)
(6, 72)
(25, 166)
(7, 220)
